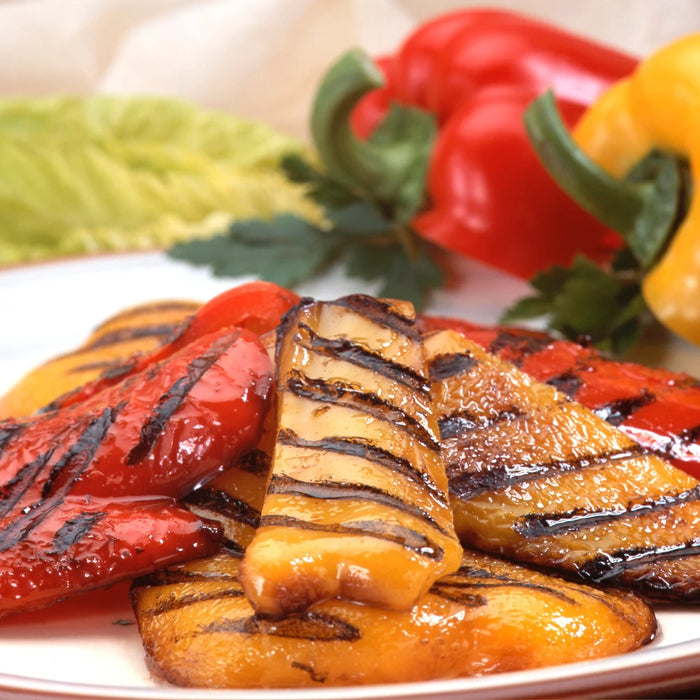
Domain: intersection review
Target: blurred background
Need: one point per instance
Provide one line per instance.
(227, 54)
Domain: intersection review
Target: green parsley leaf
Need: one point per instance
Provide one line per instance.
(586, 301)
(286, 250)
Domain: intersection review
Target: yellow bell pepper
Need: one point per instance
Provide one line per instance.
(656, 109)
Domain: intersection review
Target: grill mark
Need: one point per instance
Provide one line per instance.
(568, 383)
(456, 424)
(73, 530)
(9, 430)
(13, 490)
(348, 351)
(334, 490)
(147, 309)
(363, 449)
(173, 398)
(522, 345)
(222, 504)
(381, 312)
(314, 675)
(61, 478)
(232, 548)
(617, 412)
(169, 577)
(185, 600)
(339, 394)
(314, 626)
(442, 367)
(612, 565)
(256, 462)
(403, 536)
(482, 579)
(546, 524)
(466, 485)
(106, 368)
(166, 331)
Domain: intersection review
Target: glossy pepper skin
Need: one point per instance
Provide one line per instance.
(490, 198)
(89, 490)
(657, 408)
(658, 107)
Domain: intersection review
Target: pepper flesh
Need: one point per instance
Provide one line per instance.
(657, 107)
(476, 71)
(88, 490)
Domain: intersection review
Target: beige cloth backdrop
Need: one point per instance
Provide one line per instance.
(258, 58)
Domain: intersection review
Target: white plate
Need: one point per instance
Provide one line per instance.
(84, 649)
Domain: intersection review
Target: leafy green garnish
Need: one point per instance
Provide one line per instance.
(88, 174)
(585, 301)
(367, 192)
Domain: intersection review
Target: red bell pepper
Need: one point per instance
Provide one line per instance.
(490, 198)
(88, 491)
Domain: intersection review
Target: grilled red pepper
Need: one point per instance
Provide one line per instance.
(477, 70)
(88, 492)
(657, 408)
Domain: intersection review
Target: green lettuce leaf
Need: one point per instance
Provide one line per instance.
(81, 175)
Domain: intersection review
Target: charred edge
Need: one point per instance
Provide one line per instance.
(9, 430)
(173, 398)
(462, 422)
(184, 600)
(232, 548)
(519, 345)
(346, 350)
(256, 462)
(362, 449)
(612, 566)
(381, 312)
(287, 322)
(617, 412)
(442, 367)
(402, 536)
(466, 485)
(568, 383)
(314, 626)
(546, 524)
(148, 309)
(334, 490)
(689, 435)
(61, 478)
(482, 579)
(221, 503)
(73, 530)
(367, 402)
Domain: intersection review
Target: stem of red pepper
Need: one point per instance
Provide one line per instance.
(644, 208)
(389, 170)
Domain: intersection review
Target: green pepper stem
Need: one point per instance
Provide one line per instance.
(642, 212)
(381, 171)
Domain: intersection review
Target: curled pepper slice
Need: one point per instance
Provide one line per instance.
(88, 490)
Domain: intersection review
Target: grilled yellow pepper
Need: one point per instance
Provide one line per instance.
(654, 113)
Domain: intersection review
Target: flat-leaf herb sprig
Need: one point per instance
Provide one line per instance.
(367, 191)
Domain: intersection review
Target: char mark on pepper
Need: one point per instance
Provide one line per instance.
(466, 484)
(73, 530)
(341, 394)
(450, 365)
(220, 503)
(172, 399)
(547, 524)
(331, 490)
(358, 447)
(462, 422)
(63, 474)
(399, 534)
(346, 350)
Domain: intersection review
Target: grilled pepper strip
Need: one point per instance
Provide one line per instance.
(133, 339)
(657, 408)
(656, 109)
(477, 71)
(357, 504)
(156, 435)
